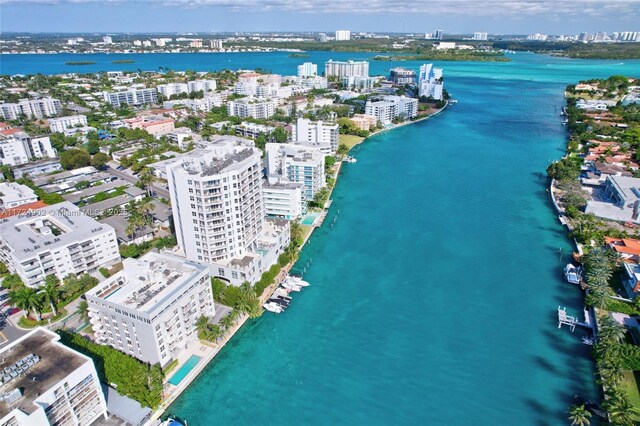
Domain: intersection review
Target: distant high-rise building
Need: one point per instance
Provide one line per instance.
(402, 76)
(346, 69)
(480, 36)
(216, 44)
(438, 34)
(343, 35)
(322, 38)
(107, 40)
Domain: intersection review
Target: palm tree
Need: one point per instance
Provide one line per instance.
(202, 325)
(27, 298)
(146, 177)
(621, 410)
(579, 415)
(51, 292)
(215, 333)
(226, 322)
(83, 310)
(611, 330)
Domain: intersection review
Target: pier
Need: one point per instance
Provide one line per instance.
(572, 322)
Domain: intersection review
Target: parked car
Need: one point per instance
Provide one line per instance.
(12, 311)
(120, 168)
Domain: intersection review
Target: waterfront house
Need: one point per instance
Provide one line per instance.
(617, 199)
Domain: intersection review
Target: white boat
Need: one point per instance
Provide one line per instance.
(291, 286)
(171, 422)
(350, 159)
(573, 274)
(273, 307)
(298, 281)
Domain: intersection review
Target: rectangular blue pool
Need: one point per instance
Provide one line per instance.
(184, 370)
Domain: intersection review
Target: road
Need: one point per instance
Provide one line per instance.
(126, 176)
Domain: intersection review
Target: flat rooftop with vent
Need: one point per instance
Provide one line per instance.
(36, 372)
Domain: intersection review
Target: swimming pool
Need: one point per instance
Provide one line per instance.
(309, 218)
(184, 370)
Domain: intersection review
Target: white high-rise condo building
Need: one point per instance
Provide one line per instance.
(297, 164)
(20, 148)
(307, 69)
(57, 239)
(107, 40)
(217, 44)
(60, 124)
(480, 36)
(170, 89)
(201, 85)
(131, 96)
(49, 383)
(218, 211)
(149, 309)
(438, 34)
(430, 82)
(36, 108)
(316, 134)
(322, 37)
(343, 35)
(346, 69)
(251, 107)
(391, 107)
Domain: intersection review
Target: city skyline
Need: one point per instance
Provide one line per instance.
(453, 16)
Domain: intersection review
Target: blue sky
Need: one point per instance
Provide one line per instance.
(453, 16)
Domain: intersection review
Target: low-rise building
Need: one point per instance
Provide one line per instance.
(284, 200)
(57, 239)
(319, 134)
(13, 195)
(251, 107)
(60, 124)
(48, 383)
(402, 76)
(252, 130)
(391, 107)
(154, 125)
(617, 199)
(18, 148)
(183, 136)
(150, 308)
(364, 121)
(36, 168)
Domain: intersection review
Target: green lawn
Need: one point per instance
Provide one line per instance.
(630, 385)
(350, 140)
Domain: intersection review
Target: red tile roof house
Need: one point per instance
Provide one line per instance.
(629, 251)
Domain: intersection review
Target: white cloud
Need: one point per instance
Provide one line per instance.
(480, 8)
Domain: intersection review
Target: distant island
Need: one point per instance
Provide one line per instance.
(576, 50)
(298, 55)
(123, 61)
(80, 63)
(447, 55)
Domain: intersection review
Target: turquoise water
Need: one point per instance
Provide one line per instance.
(433, 298)
(184, 370)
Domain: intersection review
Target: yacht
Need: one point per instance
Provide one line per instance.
(273, 307)
(573, 274)
(291, 286)
(350, 159)
(298, 281)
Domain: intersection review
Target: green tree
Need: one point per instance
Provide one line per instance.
(51, 292)
(100, 160)
(27, 299)
(579, 416)
(83, 310)
(74, 159)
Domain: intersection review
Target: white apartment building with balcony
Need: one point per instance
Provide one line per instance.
(60, 124)
(391, 107)
(131, 96)
(57, 239)
(296, 164)
(251, 107)
(343, 35)
(20, 148)
(218, 211)
(346, 69)
(317, 134)
(36, 108)
(284, 200)
(430, 82)
(204, 85)
(307, 69)
(13, 195)
(48, 383)
(149, 309)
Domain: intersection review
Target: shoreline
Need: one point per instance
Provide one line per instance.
(266, 294)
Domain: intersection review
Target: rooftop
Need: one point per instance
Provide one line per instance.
(11, 191)
(145, 283)
(50, 227)
(56, 362)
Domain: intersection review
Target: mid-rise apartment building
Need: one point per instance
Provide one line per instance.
(284, 200)
(20, 148)
(318, 134)
(32, 108)
(57, 239)
(296, 164)
(402, 76)
(251, 107)
(307, 69)
(346, 69)
(430, 82)
(343, 35)
(391, 107)
(131, 96)
(47, 383)
(60, 124)
(149, 309)
(154, 125)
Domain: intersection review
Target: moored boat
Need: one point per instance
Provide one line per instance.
(573, 274)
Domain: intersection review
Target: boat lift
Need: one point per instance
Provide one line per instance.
(572, 322)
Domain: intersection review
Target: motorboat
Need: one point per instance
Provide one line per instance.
(283, 304)
(171, 422)
(273, 307)
(291, 286)
(350, 159)
(298, 281)
(573, 274)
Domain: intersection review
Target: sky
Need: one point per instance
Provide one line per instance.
(419, 16)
